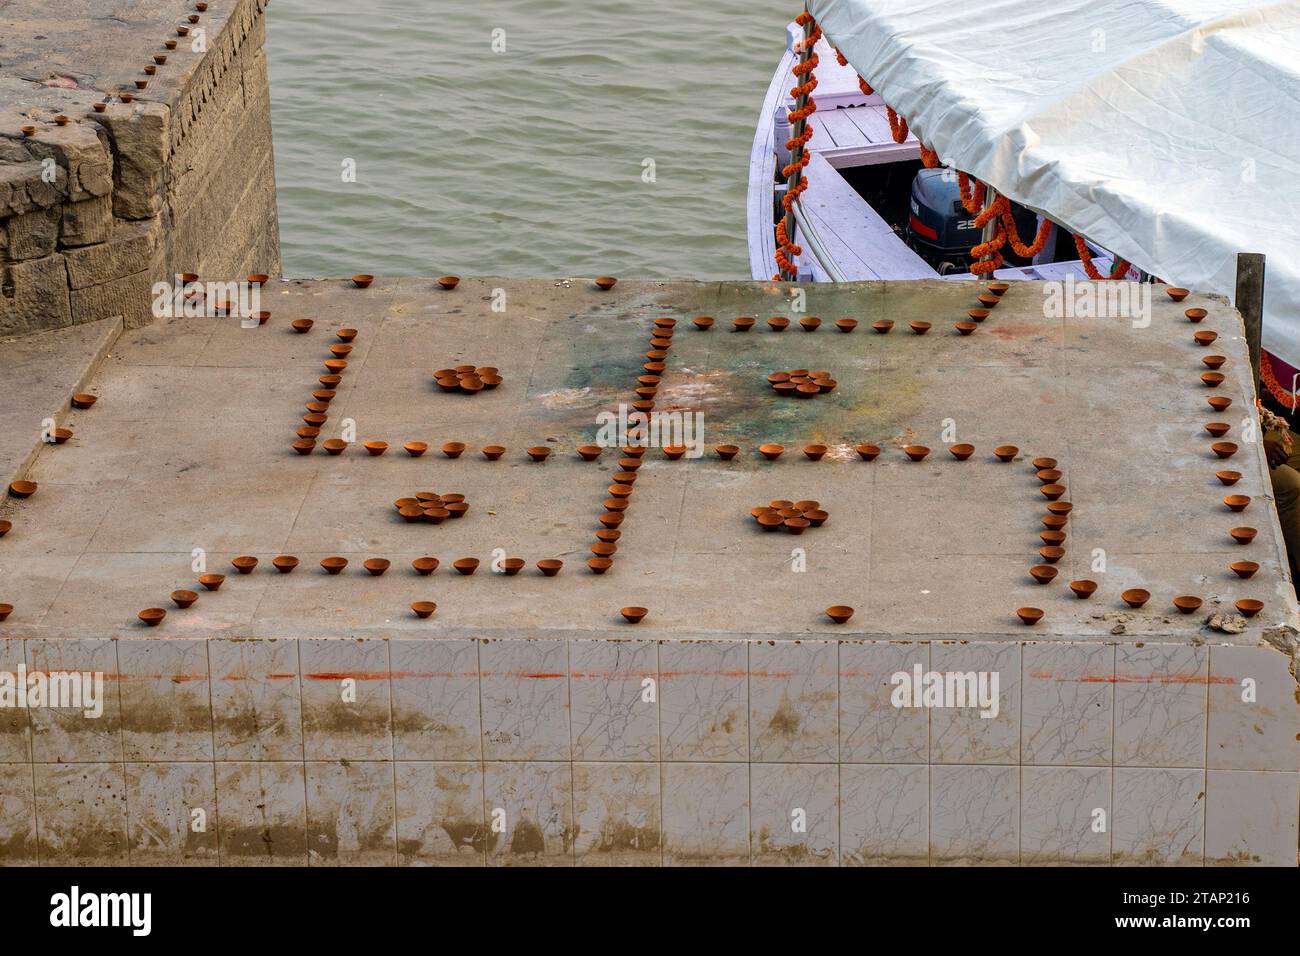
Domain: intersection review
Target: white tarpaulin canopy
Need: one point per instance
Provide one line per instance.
(1167, 131)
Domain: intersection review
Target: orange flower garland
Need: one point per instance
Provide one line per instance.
(1268, 376)
(787, 251)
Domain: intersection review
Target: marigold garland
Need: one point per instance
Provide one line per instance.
(1268, 375)
(787, 251)
(1085, 256)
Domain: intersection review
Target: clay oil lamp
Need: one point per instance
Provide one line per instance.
(512, 566)
(5, 611)
(183, 598)
(770, 521)
(415, 448)
(633, 451)
(539, 453)
(815, 452)
(825, 385)
(743, 324)
(611, 519)
(1041, 463)
(988, 300)
(470, 385)
(916, 452)
(846, 325)
(453, 449)
(212, 582)
(1048, 475)
(284, 563)
(324, 395)
(449, 282)
(868, 452)
(643, 405)
(334, 446)
(703, 322)
(493, 452)
(589, 452)
(778, 378)
(28, 131)
(1029, 616)
(1054, 522)
(1176, 293)
(336, 366)
(309, 431)
(620, 491)
(665, 322)
(1195, 315)
(1212, 379)
(425, 566)
(786, 389)
(605, 283)
(600, 565)
(169, 44)
(616, 504)
(1060, 507)
(1205, 337)
(1243, 535)
(448, 384)
(550, 566)
(244, 564)
(1218, 402)
(375, 448)
(1244, 569)
(796, 525)
(160, 58)
(883, 326)
(1187, 603)
(771, 451)
(301, 326)
(1237, 502)
(978, 315)
(633, 615)
(1218, 429)
(63, 120)
(1224, 449)
(465, 566)
(123, 95)
(1083, 589)
(1136, 597)
(257, 279)
(1051, 553)
(456, 509)
(965, 328)
(816, 517)
(839, 613)
(920, 328)
(961, 451)
(5, 527)
(1043, 573)
(99, 107)
(401, 503)
(810, 323)
(1052, 491)
(608, 535)
(655, 367)
(376, 566)
(778, 323)
(423, 609)
(1214, 361)
(411, 513)
(84, 400)
(330, 381)
(806, 505)
(726, 452)
(362, 281)
(315, 419)
(333, 565)
(1056, 538)
(152, 616)
(23, 489)
(998, 289)
(61, 435)
(1006, 452)
(629, 465)
(193, 18)
(1228, 477)
(1249, 607)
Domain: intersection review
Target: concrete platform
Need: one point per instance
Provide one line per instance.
(527, 693)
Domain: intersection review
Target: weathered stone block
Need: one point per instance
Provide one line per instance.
(128, 296)
(34, 295)
(32, 235)
(140, 143)
(22, 188)
(129, 250)
(86, 222)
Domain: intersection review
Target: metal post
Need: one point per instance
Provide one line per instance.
(797, 129)
(1250, 302)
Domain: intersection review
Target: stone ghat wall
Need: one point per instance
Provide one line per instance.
(381, 752)
(180, 179)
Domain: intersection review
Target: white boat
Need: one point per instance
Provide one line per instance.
(858, 218)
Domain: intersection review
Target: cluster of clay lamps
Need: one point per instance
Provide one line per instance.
(1053, 534)
(467, 379)
(801, 383)
(795, 516)
(431, 507)
(318, 408)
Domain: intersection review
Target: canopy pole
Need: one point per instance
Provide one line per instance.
(1249, 301)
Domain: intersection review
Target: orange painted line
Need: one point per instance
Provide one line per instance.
(1134, 678)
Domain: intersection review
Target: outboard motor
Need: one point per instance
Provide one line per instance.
(939, 228)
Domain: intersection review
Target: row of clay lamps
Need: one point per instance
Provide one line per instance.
(1223, 450)
(795, 516)
(1052, 536)
(23, 489)
(318, 407)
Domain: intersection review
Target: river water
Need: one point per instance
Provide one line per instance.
(516, 137)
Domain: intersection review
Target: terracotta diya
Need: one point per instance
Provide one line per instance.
(184, 598)
(152, 616)
(284, 563)
(449, 282)
(1243, 535)
(1249, 607)
(606, 283)
(743, 324)
(1006, 452)
(1176, 293)
(465, 566)
(493, 452)
(23, 488)
(1083, 589)
(1029, 615)
(550, 566)
(212, 582)
(425, 566)
(633, 615)
(961, 451)
(839, 613)
(1136, 597)
(868, 452)
(1244, 569)
(362, 281)
(916, 452)
(415, 448)
(244, 564)
(333, 565)
(1187, 603)
(423, 609)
